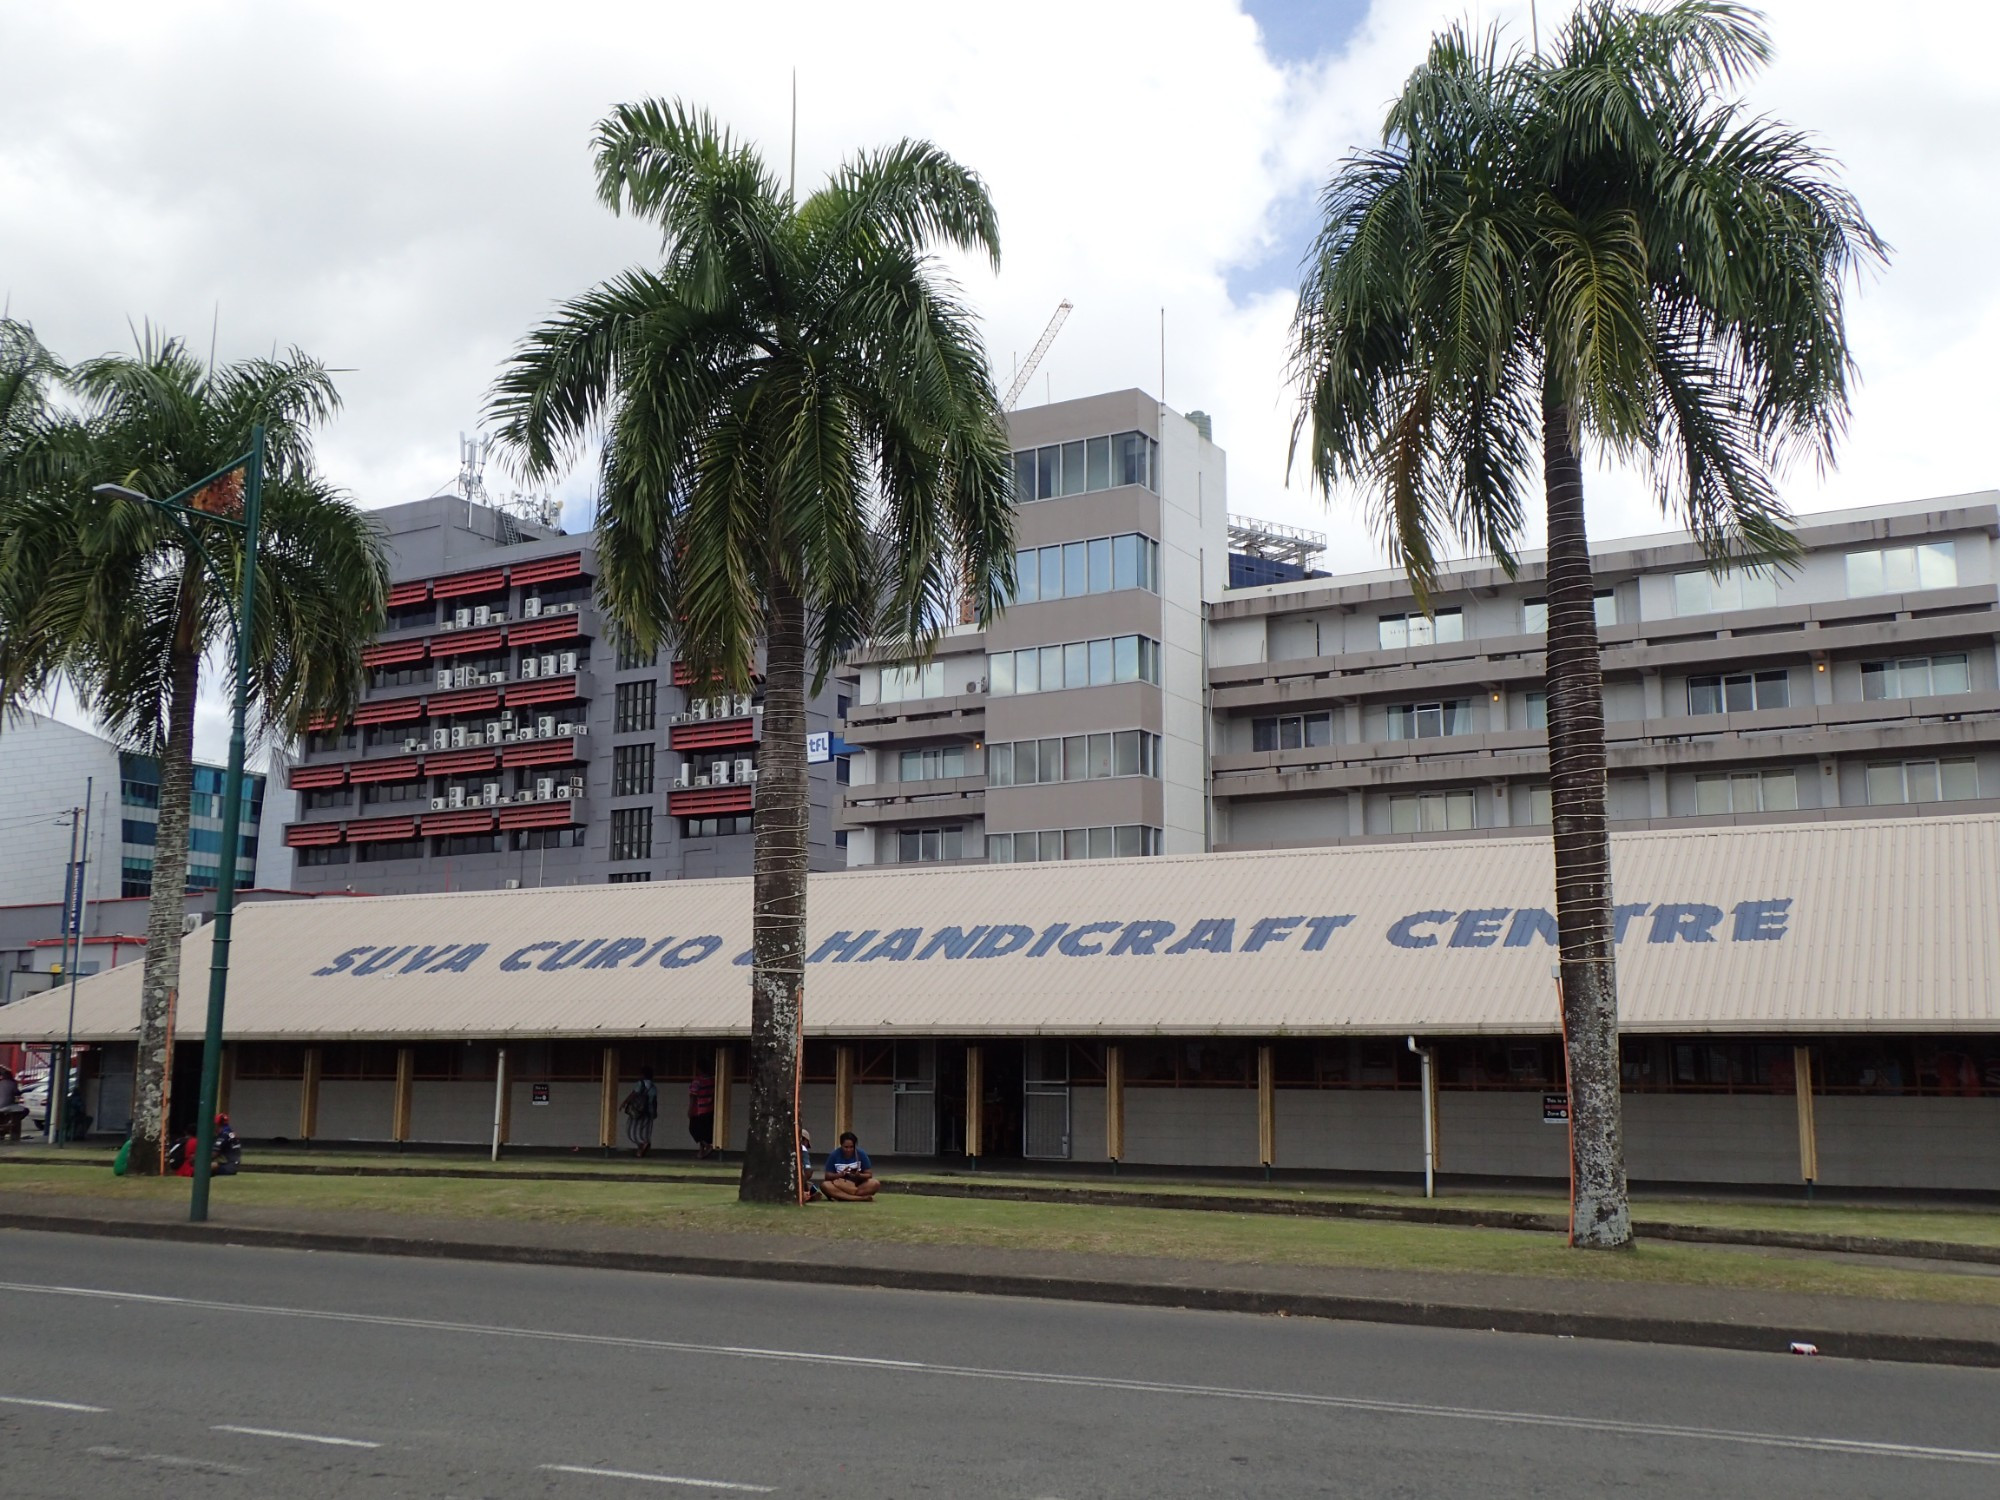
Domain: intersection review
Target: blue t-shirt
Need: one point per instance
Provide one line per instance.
(843, 1161)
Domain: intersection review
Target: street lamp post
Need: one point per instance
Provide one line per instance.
(252, 463)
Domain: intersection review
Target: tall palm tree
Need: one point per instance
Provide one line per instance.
(1602, 248)
(800, 444)
(123, 603)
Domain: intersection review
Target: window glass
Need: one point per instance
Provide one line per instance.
(1100, 662)
(1781, 791)
(1692, 593)
(1125, 754)
(1076, 843)
(1047, 461)
(1393, 632)
(1072, 467)
(1100, 565)
(999, 674)
(1937, 566)
(1097, 463)
(1264, 733)
(1125, 562)
(1738, 694)
(1879, 681)
(1291, 733)
(1125, 658)
(1319, 729)
(1540, 807)
(1128, 459)
(1948, 675)
(1534, 617)
(1051, 842)
(1864, 576)
(1100, 756)
(1024, 474)
(1052, 669)
(1537, 710)
(1051, 760)
(1128, 840)
(1959, 780)
(1000, 848)
(1075, 570)
(1605, 606)
(1074, 768)
(1076, 664)
(1449, 625)
(1102, 843)
(1885, 784)
(1027, 577)
(1920, 780)
(1759, 590)
(1000, 765)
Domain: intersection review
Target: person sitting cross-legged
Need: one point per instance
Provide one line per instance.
(850, 1175)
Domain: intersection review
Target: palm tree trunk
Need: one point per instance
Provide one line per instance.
(1601, 1215)
(778, 931)
(162, 974)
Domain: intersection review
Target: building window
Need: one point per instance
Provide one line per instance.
(840, 839)
(1074, 757)
(1394, 632)
(323, 854)
(547, 838)
(379, 792)
(1429, 721)
(629, 877)
(469, 843)
(136, 877)
(1076, 664)
(1536, 706)
(326, 796)
(1535, 612)
(631, 833)
(632, 659)
(326, 741)
(1089, 464)
(1914, 677)
(902, 682)
(1923, 781)
(843, 770)
(632, 770)
(936, 764)
(1099, 565)
(1541, 806)
(1291, 732)
(1746, 792)
(1899, 570)
(139, 831)
(1432, 812)
(922, 845)
(712, 828)
(1126, 841)
(633, 706)
(405, 676)
(1739, 692)
(380, 849)
(1704, 593)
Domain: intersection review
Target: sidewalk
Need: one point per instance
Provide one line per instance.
(1713, 1317)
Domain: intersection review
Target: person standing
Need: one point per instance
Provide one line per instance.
(642, 1108)
(12, 1108)
(701, 1111)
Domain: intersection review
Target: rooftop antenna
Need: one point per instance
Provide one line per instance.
(472, 453)
(792, 188)
(1535, 25)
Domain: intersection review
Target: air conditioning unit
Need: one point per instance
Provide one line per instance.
(437, 804)
(569, 608)
(718, 773)
(746, 770)
(493, 732)
(440, 738)
(528, 668)
(189, 922)
(444, 677)
(684, 776)
(532, 606)
(513, 885)
(458, 737)
(455, 797)
(549, 665)
(510, 736)
(481, 614)
(563, 729)
(461, 676)
(545, 726)
(577, 782)
(545, 788)
(698, 709)
(581, 730)
(563, 792)
(701, 781)
(972, 687)
(490, 793)
(566, 661)
(461, 617)
(409, 745)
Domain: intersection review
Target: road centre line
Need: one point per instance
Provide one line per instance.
(296, 1437)
(1798, 1442)
(701, 1484)
(50, 1405)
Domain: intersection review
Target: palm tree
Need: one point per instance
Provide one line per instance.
(123, 602)
(1596, 248)
(800, 444)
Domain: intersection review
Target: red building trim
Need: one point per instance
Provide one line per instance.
(404, 768)
(375, 830)
(459, 762)
(485, 581)
(390, 711)
(542, 690)
(539, 753)
(464, 701)
(312, 835)
(393, 652)
(705, 801)
(546, 628)
(711, 734)
(304, 777)
(556, 814)
(548, 569)
(462, 820)
(414, 592)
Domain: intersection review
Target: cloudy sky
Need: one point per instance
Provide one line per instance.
(403, 189)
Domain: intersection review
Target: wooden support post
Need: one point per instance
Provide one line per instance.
(1267, 1110)
(1802, 1083)
(843, 1090)
(722, 1099)
(1114, 1102)
(975, 1102)
(406, 1094)
(225, 1084)
(607, 1100)
(502, 1104)
(309, 1096)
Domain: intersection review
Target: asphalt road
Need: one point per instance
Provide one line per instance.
(153, 1369)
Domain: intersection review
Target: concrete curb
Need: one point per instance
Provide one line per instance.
(1693, 1332)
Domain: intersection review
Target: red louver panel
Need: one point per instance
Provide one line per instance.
(465, 642)
(403, 769)
(539, 753)
(320, 725)
(544, 690)
(488, 581)
(394, 711)
(460, 762)
(704, 801)
(303, 777)
(467, 701)
(684, 675)
(466, 821)
(409, 593)
(393, 653)
(541, 815)
(712, 735)
(547, 628)
(548, 569)
(372, 830)
(312, 835)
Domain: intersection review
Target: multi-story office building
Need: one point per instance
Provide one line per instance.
(45, 766)
(506, 738)
(1860, 683)
(1074, 726)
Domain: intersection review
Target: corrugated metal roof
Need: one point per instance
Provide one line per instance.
(1882, 925)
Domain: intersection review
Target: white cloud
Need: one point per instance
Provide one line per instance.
(403, 189)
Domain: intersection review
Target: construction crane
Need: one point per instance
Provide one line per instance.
(1035, 355)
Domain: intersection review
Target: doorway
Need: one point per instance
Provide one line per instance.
(1000, 1106)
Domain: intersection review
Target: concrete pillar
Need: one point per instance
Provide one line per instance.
(722, 1099)
(843, 1090)
(406, 1093)
(975, 1101)
(607, 1100)
(1114, 1101)
(309, 1096)
(1267, 1108)
(1802, 1085)
(503, 1103)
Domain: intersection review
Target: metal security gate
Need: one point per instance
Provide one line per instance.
(915, 1067)
(1045, 1102)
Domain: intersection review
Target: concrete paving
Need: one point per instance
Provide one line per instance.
(168, 1369)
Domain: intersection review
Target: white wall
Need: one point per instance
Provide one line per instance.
(43, 767)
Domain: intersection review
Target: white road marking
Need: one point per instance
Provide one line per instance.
(296, 1437)
(700, 1484)
(51, 1405)
(1425, 1411)
(169, 1461)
